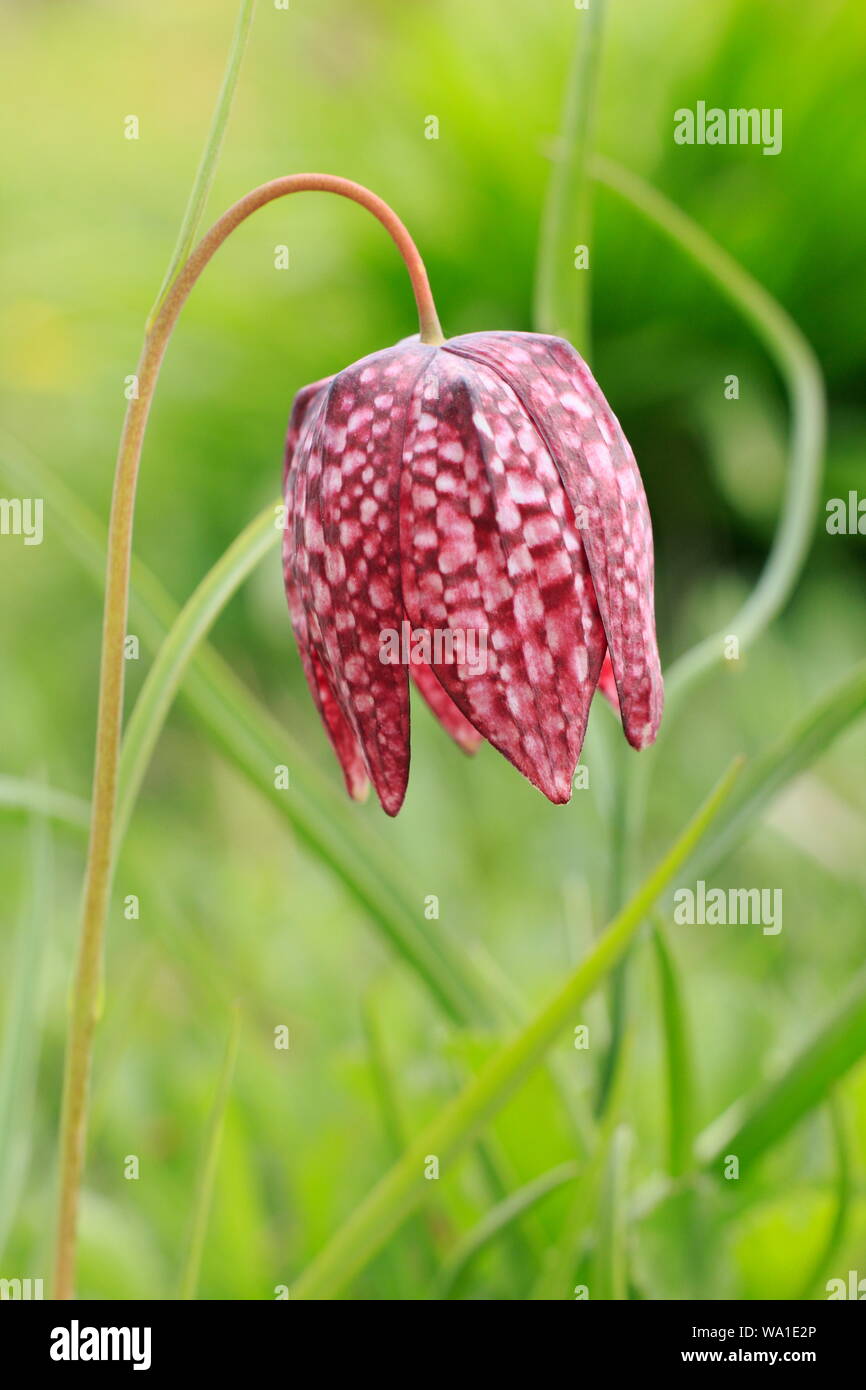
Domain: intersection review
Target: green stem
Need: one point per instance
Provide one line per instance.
(799, 369)
(561, 290)
(617, 889)
(251, 739)
(167, 672)
(461, 1121)
(802, 376)
(97, 884)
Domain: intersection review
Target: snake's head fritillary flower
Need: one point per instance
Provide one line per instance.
(469, 514)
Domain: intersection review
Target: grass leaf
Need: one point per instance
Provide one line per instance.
(784, 760)
(754, 1124)
(801, 373)
(19, 1054)
(210, 154)
(561, 302)
(252, 740)
(680, 1071)
(19, 794)
(610, 1265)
(459, 1122)
(842, 1146)
(166, 674)
(497, 1221)
(206, 1180)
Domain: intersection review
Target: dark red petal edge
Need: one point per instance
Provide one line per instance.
(601, 478)
(346, 554)
(488, 545)
(337, 726)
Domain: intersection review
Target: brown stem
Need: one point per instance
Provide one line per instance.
(98, 874)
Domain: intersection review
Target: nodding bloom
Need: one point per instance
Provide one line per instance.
(469, 515)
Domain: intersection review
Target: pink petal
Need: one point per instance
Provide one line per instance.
(303, 403)
(345, 552)
(489, 546)
(338, 728)
(600, 476)
(607, 683)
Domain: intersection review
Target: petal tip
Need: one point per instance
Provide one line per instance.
(358, 789)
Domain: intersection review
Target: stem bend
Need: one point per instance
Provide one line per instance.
(85, 1003)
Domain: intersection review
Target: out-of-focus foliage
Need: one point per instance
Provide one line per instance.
(229, 907)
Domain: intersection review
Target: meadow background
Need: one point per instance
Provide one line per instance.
(233, 905)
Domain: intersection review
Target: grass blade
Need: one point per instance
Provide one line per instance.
(555, 1284)
(421, 1256)
(842, 1146)
(166, 674)
(461, 1121)
(210, 154)
(19, 794)
(571, 1091)
(19, 1055)
(801, 373)
(206, 1181)
(382, 1075)
(561, 290)
(610, 1266)
(680, 1072)
(499, 1220)
(765, 777)
(251, 739)
(755, 1124)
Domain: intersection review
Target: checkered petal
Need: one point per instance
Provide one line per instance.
(600, 476)
(489, 547)
(307, 411)
(480, 491)
(343, 561)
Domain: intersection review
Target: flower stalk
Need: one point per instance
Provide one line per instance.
(86, 995)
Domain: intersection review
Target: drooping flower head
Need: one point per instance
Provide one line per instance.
(469, 514)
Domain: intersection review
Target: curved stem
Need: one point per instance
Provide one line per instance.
(799, 369)
(801, 374)
(85, 1003)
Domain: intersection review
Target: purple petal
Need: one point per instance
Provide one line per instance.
(600, 476)
(489, 546)
(345, 552)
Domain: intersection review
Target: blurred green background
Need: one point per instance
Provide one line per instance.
(230, 906)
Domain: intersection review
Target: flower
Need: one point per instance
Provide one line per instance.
(479, 487)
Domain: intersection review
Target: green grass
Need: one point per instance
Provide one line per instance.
(410, 1036)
